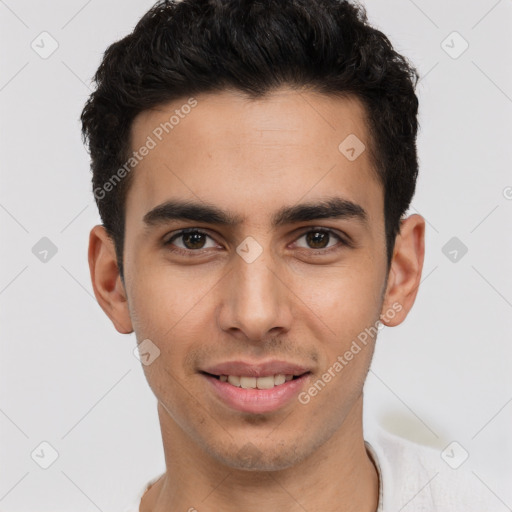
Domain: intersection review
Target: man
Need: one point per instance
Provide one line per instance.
(252, 164)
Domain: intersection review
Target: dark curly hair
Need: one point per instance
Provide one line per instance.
(182, 48)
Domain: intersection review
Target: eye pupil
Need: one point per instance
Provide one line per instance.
(194, 239)
(313, 238)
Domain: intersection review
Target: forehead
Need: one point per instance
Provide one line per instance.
(253, 156)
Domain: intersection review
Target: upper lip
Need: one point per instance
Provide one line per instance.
(262, 369)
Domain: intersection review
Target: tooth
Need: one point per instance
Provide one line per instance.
(279, 379)
(233, 379)
(265, 382)
(248, 382)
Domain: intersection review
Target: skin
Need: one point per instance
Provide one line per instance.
(252, 157)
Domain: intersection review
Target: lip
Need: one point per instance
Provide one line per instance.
(264, 369)
(256, 401)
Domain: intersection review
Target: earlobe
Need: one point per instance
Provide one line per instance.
(106, 280)
(405, 272)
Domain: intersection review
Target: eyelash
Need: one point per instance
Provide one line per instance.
(197, 252)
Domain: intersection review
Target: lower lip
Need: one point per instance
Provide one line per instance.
(257, 401)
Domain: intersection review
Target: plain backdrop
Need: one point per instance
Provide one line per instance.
(68, 379)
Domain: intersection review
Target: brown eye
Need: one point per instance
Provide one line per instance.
(319, 239)
(191, 240)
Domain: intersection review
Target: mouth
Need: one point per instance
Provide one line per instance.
(256, 388)
(250, 382)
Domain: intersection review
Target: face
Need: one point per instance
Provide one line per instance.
(281, 270)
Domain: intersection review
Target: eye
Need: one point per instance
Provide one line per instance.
(318, 239)
(192, 239)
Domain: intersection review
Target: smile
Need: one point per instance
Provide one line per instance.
(247, 382)
(256, 395)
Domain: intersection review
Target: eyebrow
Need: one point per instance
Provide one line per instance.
(334, 207)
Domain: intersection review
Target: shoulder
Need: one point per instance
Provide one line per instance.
(134, 505)
(420, 478)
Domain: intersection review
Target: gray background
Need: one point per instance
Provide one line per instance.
(69, 379)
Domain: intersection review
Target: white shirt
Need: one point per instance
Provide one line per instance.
(416, 478)
(134, 507)
(412, 478)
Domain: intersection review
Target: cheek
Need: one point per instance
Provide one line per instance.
(175, 314)
(163, 298)
(349, 305)
(346, 300)
(170, 314)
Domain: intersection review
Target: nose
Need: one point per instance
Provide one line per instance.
(255, 300)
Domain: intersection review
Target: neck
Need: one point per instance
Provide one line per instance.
(339, 477)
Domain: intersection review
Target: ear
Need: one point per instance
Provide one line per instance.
(106, 280)
(405, 271)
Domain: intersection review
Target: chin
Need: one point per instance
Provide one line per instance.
(261, 456)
